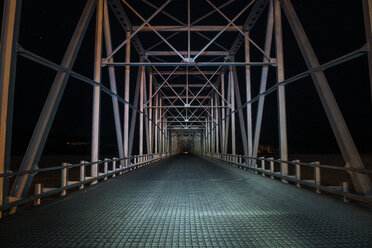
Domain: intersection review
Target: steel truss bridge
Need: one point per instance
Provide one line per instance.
(186, 97)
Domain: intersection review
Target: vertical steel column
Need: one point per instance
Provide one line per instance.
(281, 89)
(248, 96)
(264, 73)
(200, 142)
(166, 150)
(367, 11)
(219, 122)
(211, 126)
(169, 141)
(150, 116)
(97, 91)
(206, 138)
(8, 60)
(145, 114)
(209, 134)
(203, 141)
(345, 142)
(163, 140)
(156, 132)
(111, 69)
(126, 98)
(217, 126)
(228, 111)
(240, 111)
(161, 125)
(232, 102)
(134, 111)
(141, 111)
(37, 142)
(223, 113)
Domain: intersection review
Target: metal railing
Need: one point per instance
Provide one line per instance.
(266, 167)
(110, 168)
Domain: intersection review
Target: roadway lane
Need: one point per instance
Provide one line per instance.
(186, 201)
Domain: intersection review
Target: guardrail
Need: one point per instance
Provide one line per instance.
(110, 168)
(266, 166)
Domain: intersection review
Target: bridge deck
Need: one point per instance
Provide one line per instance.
(189, 202)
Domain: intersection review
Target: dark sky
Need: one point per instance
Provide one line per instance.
(333, 27)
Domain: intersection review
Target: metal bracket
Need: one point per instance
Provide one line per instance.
(104, 62)
(273, 61)
(13, 199)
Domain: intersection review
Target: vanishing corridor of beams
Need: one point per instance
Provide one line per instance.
(187, 85)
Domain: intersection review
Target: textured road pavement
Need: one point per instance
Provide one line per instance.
(186, 201)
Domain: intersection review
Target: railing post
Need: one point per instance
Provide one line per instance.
(345, 189)
(272, 170)
(256, 166)
(263, 166)
(39, 189)
(114, 167)
(94, 171)
(317, 176)
(105, 168)
(298, 172)
(64, 178)
(82, 173)
(120, 165)
(283, 171)
(134, 162)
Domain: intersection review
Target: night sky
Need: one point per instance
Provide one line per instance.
(333, 27)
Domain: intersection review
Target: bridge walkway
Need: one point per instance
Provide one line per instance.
(187, 201)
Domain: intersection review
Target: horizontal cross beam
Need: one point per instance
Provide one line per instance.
(105, 63)
(184, 97)
(185, 53)
(176, 121)
(184, 86)
(183, 106)
(189, 119)
(185, 28)
(185, 72)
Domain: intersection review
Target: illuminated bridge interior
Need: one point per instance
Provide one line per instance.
(196, 123)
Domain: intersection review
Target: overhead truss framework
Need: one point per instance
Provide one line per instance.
(186, 96)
